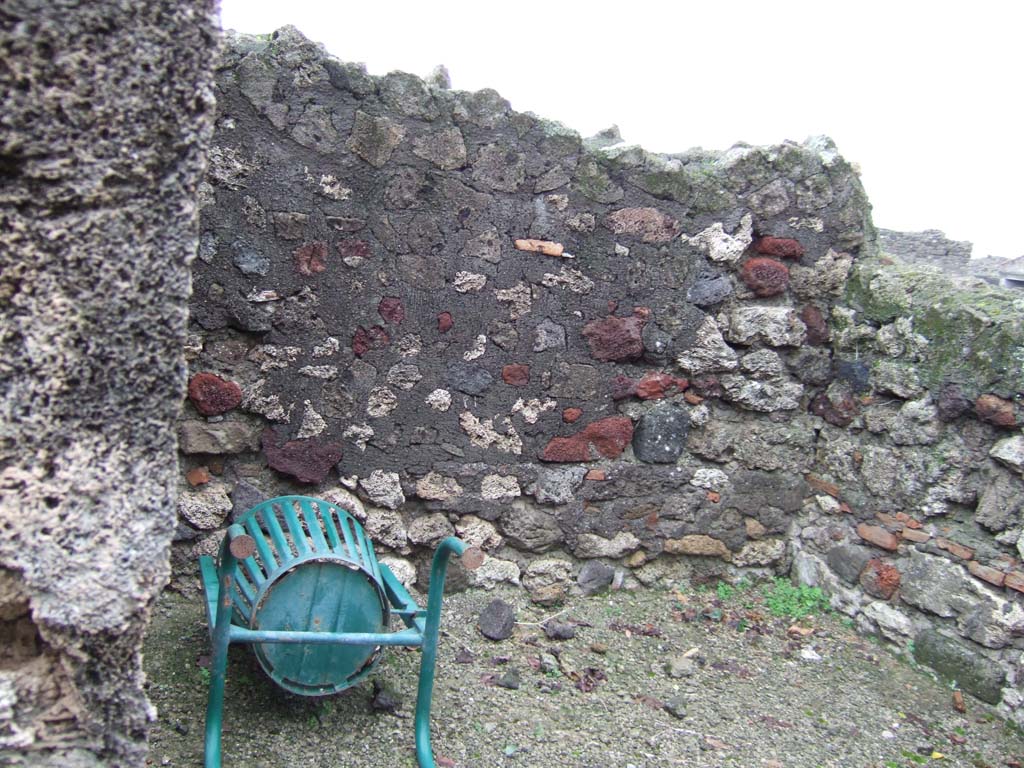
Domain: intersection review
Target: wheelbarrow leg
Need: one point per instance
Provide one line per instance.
(221, 638)
(425, 691)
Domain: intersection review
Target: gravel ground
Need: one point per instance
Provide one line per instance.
(750, 690)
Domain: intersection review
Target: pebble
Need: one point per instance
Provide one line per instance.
(497, 620)
(809, 654)
(560, 630)
(676, 706)
(385, 698)
(680, 666)
(511, 679)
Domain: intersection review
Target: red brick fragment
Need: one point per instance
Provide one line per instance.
(516, 375)
(907, 520)
(918, 537)
(765, 277)
(311, 258)
(1015, 580)
(653, 386)
(993, 576)
(353, 251)
(571, 415)
(606, 437)
(365, 339)
(693, 398)
(874, 534)
(783, 247)
(445, 322)
(957, 550)
(995, 410)
(615, 338)
(714, 497)
(391, 309)
(211, 395)
(198, 476)
(822, 485)
(566, 449)
(610, 436)
(880, 579)
(596, 474)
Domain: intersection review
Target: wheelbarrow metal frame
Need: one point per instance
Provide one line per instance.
(220, 583)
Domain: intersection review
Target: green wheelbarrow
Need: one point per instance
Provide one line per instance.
(298, 580)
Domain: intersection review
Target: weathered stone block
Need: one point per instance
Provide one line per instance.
(660, 435)
(955, 660)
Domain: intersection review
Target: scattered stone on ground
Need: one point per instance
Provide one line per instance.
(746, 693)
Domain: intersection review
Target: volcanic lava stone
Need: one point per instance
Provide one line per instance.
(497, 620)
(660, 436)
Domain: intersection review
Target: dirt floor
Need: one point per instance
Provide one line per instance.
(704, 677)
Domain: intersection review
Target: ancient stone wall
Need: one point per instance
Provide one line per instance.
(601, 365)
(930, 247)
(106, 108)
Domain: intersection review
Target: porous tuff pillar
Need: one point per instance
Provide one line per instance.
(107, 110)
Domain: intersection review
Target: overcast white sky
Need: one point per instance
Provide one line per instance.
(926, 97)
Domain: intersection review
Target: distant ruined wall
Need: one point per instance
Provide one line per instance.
(106, 110)
(713, 376)
(928, 247)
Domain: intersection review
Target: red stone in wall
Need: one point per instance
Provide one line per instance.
(651, 386)
(571, 415)
(817, 328)
(605, 437)
(616, 338)
(516, 375)
(765, 277)
(307, 460)
(391, 309)
(212, 395)
(445, 322)
(782, 247)
(874, 534)
(995, 410)
(311, 258)
(365, 339)
(880, 579)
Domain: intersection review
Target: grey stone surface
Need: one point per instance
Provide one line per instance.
(595, 577)
(200, 436)
(848, 560)
(557, 485)
(469, 378)
(107, 108)
(956, 660)
(497, 620)
(936, 585)
(529, 528)
(660, 435)
(710, 289)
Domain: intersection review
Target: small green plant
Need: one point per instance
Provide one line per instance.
(783, 599)
(725, 590)
(204, 676)
(914, 757)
